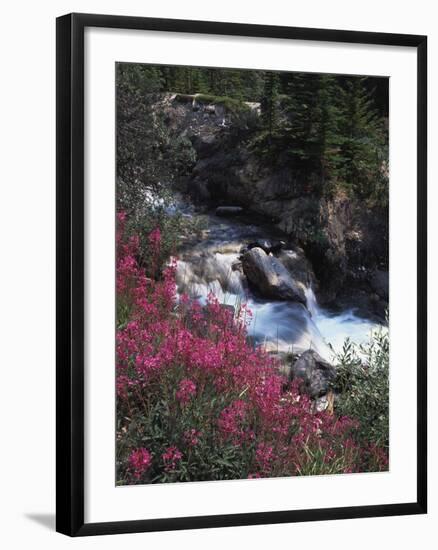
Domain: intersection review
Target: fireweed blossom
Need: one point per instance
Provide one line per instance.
(264, 457)
(171, 458)
(231, 421)
(191, 437)
(186, 390)
(179, 352)
(155, 240)
(140, 461)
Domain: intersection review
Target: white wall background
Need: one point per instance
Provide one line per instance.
(27, 273)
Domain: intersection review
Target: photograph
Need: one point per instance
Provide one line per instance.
(252, 274)
(217, 275)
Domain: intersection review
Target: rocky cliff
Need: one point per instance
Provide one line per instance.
(344, 238)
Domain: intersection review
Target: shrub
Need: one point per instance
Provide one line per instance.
(363, 386)
(150, 156)
(195, 401)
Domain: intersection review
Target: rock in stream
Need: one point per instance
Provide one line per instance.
(269, 276)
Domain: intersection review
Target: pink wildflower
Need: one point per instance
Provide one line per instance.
(186, 390)
(140, 461)
(155, 240)
(171, 457)
(264, 456)
(231, 421)
(191, 437)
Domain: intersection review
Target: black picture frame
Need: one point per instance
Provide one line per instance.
(70, 273)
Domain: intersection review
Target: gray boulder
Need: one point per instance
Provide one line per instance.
(269, 276)
(316, 373)
(226, 211)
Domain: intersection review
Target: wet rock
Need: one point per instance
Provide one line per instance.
(379, 282)
(237, 266)
(226, 211)
(264, 244)
(316, 373)
(269, 276)
(298, 266)
(267, 245)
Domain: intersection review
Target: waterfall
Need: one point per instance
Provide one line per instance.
(212, 266)
(312, 304)
(278, 326)
(213, 272)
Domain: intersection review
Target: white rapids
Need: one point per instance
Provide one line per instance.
(279, 326)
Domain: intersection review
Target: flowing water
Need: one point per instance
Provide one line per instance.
(209, 266)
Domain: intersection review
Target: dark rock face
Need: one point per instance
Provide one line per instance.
(226, 211)
(269, 276)
(316, 373)
(340, 235)
(379, 282)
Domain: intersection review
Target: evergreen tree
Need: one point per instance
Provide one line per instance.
(178, 80)
(269, 104)
(363, 138)
(233, 84)
(302, 113)
(199, 81)
(252, 84)
(167, 77)
(328, 121)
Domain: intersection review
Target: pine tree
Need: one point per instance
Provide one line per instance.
(199, 81)
(328, 122)
(252, 84)
(302, 113)
(269, 104)
(178, 80)
(363, 139)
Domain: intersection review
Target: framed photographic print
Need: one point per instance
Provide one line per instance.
(241, 274)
